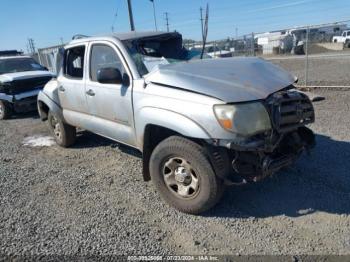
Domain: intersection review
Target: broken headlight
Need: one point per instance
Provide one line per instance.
(245, 119)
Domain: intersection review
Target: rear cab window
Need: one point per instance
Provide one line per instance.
(74, 62)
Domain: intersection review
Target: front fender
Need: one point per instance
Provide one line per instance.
(168, 119)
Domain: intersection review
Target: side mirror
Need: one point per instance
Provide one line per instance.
(109, 75)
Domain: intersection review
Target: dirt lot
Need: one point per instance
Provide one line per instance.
(91, 199)
(324, 70)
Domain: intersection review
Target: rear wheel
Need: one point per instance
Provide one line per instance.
(5, 110)
(63, 133)
(181, 171)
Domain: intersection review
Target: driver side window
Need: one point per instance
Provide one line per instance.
(103, 56)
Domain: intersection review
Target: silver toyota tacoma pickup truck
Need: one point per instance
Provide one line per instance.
(200, 124)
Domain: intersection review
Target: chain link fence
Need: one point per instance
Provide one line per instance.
(48, 57)
(319, 55)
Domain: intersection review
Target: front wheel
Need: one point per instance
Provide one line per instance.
(5, 110)
(181, 171)
(63, 133)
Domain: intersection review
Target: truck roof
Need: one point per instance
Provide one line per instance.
(123, 36)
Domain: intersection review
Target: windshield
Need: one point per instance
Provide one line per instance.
(13, 65)
(148, 53)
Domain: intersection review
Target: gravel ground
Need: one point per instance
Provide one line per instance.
(323, 70)
(91, 200)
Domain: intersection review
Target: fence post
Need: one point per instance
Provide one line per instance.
(39, 58)
(253, 44)
(307, 56)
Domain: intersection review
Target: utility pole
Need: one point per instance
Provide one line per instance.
(131, 18)
(307, 55)
(236, 33)
(31, 45)
(114, 19)
(167, 20)
(205, 29)
(28, 51)
(154, 14)
(201, 13)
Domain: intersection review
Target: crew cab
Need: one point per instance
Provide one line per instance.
(343, 38)
(201, 125)
(21, 79)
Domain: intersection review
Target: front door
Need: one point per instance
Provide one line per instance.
(111, 104)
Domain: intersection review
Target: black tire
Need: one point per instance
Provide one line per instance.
(5, 110)
(210, 188)
(64, 134)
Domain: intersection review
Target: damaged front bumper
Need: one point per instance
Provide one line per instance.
(257, 157)
(266, 160)
(22, 102)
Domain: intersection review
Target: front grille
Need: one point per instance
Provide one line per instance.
(20, 86)
(290, 110)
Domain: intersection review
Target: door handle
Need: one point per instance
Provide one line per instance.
(90, 93)
(61, 88)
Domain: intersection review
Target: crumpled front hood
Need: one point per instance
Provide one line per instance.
(228, 79)
(9, 77)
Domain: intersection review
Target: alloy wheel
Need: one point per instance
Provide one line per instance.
(180, 178)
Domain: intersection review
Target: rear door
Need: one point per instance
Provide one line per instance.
(111, 104)
(71, 91)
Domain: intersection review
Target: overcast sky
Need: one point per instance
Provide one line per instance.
(47, 21)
